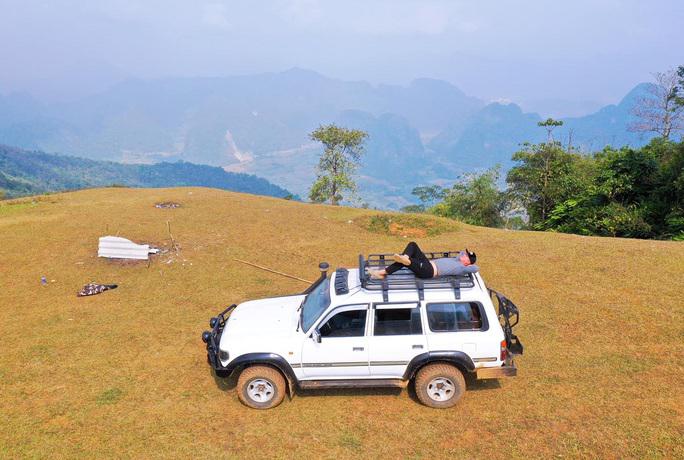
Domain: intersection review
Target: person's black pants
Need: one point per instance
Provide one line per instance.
(420, 264)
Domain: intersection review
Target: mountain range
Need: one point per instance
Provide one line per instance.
(426, 132)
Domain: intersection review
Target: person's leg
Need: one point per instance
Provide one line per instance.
(393, 268)
(412, 250)
(409, 250)
(419, 264)
(421, 267)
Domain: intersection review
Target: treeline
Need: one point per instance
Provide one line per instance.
(625, 192)
(30, 173)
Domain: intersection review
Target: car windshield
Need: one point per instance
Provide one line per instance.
(315, 304)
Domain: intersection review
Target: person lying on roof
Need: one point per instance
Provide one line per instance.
(413, 258)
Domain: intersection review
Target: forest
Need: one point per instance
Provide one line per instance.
(619, 192)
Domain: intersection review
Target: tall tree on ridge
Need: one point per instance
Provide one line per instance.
(550, 124)
(338, 162)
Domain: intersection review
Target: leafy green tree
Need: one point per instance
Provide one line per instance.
(666, 197)
(338, 162)
(474, 199)
(428, 194)
(413, 208)
(636, 193)
(545, 176)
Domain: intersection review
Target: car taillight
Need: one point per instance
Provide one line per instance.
(504, 351)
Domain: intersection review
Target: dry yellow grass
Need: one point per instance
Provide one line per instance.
(124, 373)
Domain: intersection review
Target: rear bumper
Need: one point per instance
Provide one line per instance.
(507, 370)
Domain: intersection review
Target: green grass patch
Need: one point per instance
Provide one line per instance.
(11, 208)
(110, 396)
(350, 441)
(406, 225)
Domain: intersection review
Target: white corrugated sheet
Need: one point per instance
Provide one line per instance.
(115, 247)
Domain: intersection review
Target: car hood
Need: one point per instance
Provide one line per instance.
(265, 317)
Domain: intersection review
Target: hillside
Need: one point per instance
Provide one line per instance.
(29, 173)
(124, 373)
(259, 124)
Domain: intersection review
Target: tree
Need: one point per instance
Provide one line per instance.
(550, 124)
(661, 110)
(474, 199)
(338, 162)
(545, 176)
(428, 196)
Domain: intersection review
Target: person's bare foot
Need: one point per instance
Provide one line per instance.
(377, 274)
(402, 259)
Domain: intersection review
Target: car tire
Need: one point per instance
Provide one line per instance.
(261, 387)
(440, 385)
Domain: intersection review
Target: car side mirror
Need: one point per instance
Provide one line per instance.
(316, 336)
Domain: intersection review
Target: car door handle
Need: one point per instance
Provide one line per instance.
(417, 347)
(357, 348)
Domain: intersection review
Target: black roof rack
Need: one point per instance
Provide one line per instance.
(405, 280)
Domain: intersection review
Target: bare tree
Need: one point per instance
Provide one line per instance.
(661, 110)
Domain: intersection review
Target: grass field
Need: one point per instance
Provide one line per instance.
(124, 373)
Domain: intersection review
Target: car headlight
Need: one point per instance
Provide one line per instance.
(223, 355)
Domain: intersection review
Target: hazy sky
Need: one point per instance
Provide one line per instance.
(557, 57)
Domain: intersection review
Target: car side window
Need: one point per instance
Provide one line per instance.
(397, 321)
(454, 316)
(350, 323)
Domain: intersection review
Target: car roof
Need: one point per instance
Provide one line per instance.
(347, 287)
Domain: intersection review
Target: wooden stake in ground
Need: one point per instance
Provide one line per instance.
(174, 246)
(274, 271)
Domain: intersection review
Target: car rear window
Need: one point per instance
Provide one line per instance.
(454, 316)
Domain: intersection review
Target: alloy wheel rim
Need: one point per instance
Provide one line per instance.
(260, 390)
(441, 389)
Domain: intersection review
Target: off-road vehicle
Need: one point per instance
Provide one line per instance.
(349, 330)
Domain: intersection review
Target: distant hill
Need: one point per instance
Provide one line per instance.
(27, 173)
(494, 133)
(259, 124)
(489, 137)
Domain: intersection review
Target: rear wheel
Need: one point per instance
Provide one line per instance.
(261, 387)
(440, 385)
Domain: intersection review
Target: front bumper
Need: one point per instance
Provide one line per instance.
(213, 338)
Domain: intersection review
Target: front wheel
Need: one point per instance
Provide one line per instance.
(261, 387)
(440, 385)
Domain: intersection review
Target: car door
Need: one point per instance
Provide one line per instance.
(396, 337)
(459, 326)
(342, 352)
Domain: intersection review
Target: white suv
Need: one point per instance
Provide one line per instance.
(349, 330)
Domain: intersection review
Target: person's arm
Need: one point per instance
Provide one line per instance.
(471, 269)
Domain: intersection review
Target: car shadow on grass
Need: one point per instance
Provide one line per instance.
(223, 382)
(229, 383)
(349, 392)
(473, 384)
